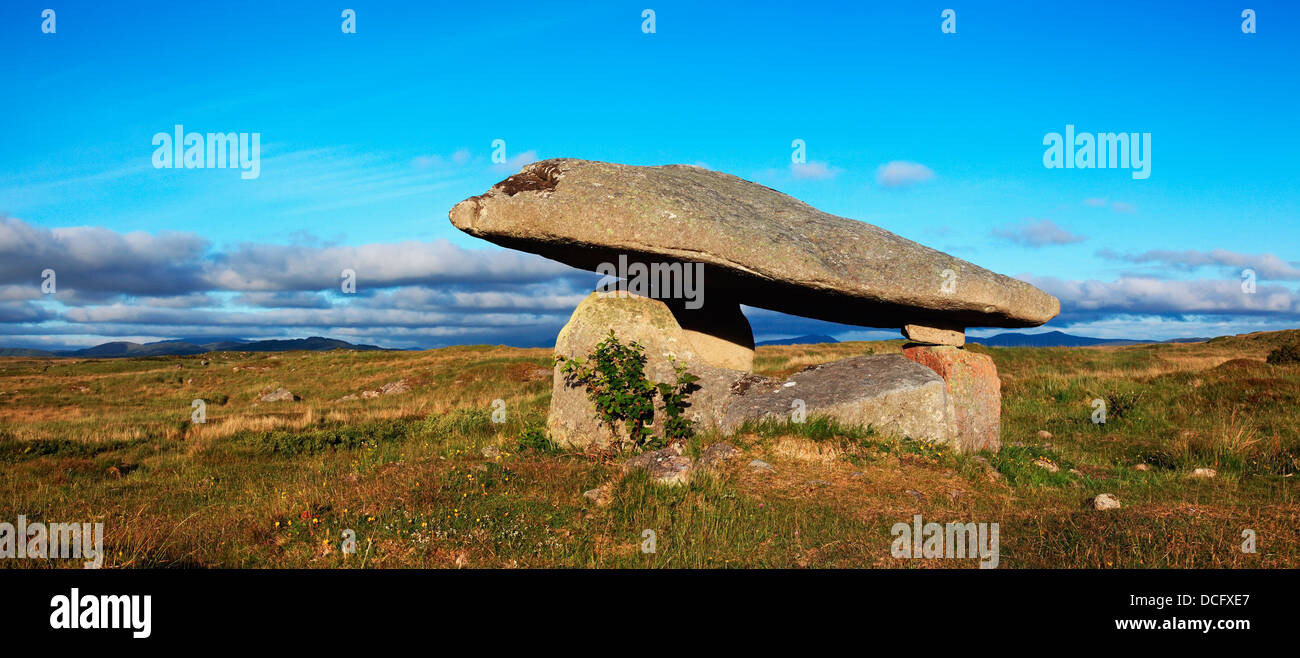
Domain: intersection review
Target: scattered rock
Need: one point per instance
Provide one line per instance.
(1142, 467)
(121, 470)
(990, 472)
(760, 465)
(1046, 465)
(1205, 473)
(537, 374)
(1045, 435)
(1103, 502)
(718, 454)
(391, 388)
(601, 495)
(279, 395)
(664, 466)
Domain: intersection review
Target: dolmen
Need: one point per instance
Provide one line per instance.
(687, 247)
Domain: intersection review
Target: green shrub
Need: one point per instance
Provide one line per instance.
(1286, 354)
(535, 439)
(614, 376)
(1120, 404)
(14, 450)
(332, 437)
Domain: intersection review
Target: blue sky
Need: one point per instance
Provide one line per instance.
(368, 139)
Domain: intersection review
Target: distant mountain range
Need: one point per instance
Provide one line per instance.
(1009, 339)
(799, 340)
(187, 346)
(183, 346)
(1059, 339)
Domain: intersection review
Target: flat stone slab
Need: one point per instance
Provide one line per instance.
(891, 393)
(759, 247)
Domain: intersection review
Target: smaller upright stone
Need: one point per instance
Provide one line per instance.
(971, 381)
(935, 335)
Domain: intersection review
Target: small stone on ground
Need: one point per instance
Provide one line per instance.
(1103, 502)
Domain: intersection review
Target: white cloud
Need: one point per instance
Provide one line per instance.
(1037, 233)
(901, 173)
(1266, 266)
(1152, 296)
(813, 171)
(516, 162)
(459, 158)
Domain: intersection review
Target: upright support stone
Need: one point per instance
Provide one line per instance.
(572, 419)
(972, 383)
(718, 331)
(935, 335)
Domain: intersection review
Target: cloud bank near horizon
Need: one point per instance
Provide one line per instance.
(147, 286)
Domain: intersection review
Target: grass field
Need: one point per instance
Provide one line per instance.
(274, 484)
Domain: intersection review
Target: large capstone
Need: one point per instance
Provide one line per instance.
(759, 247)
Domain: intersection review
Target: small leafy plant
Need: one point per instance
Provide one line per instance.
(614, 376)
(535, 439)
